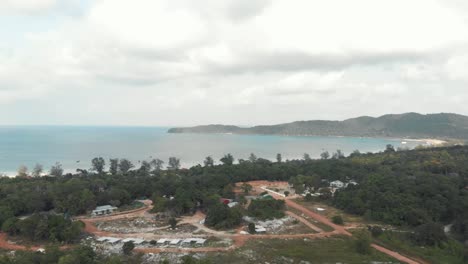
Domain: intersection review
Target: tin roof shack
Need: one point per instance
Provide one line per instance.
(103, 210)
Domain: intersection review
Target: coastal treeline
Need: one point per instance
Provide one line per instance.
(406, 188)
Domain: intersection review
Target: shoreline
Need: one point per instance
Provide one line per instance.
(429, 141)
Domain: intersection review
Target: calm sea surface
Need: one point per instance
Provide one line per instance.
(74, 147)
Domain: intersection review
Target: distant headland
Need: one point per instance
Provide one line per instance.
(445, 126)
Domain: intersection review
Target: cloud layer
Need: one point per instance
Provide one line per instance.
(177, 62)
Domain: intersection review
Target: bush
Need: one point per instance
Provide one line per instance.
(376, 231)
(173, 222)
(267, 209)
(251, 228)
(363, 242)
(128, 247)
(220, 216)
(430, 234)
(337, 219)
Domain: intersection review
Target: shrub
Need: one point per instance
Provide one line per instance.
(267, 209)
(363, 242)
(251, 228)
(128, 247)
(337, 219)
(376, 231)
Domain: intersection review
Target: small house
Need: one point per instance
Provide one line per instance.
(260, 229)
(174, 242)
(103, 210)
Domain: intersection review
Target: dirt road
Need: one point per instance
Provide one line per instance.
(341, 229)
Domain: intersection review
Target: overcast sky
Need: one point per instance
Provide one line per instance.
(245, 62)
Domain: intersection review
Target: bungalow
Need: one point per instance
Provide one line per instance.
(103, 210)
(260, 229)
(197, 241)
(337, 184)
(163, 241)
(174, 242)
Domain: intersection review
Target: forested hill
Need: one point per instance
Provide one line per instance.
(409, 125)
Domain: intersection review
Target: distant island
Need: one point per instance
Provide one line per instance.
(408, 125)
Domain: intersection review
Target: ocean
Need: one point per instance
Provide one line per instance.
(75, 146)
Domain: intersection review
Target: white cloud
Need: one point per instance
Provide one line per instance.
(239, 61)
(26, 5)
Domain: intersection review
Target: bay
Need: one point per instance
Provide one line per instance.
(75, 146)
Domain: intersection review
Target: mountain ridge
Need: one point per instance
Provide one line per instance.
(407, 125)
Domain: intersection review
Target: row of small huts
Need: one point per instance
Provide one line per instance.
(162, 241)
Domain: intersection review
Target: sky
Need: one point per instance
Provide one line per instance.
(242, 62)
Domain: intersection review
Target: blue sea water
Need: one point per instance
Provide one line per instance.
(74, 146)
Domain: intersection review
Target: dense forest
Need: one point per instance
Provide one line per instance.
(408, 188)
(410, 125)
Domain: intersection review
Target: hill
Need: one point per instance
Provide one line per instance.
(409, 125)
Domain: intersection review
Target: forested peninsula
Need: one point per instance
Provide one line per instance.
(409, 125)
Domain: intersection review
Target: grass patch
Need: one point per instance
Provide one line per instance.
(331, 211)
(324, 227)
(330, 250)
(450, 252)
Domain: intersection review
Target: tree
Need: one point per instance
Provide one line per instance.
(159, 203)
(98, 164)
(22, 171)
(252, 158)
(389, 149)
(56, 170)
(174, 163)
(338, 154)
(363, 242)
(114, 166)
(306, 157)
(5, 213)
(228, 159)
(376, 231)
(157, 164)
(145, 167)
(325, 155)
(128, 247)
(173, 222)
(337, 219)
(9, 226)
(209, 162)
(246, 188)
(429, 234)
(286, 193)
(125, 165)
(37, 171)
(279, 158)
(308, 197)
(251, 228)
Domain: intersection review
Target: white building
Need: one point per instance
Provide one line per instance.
(103, 210)
(260, 229)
